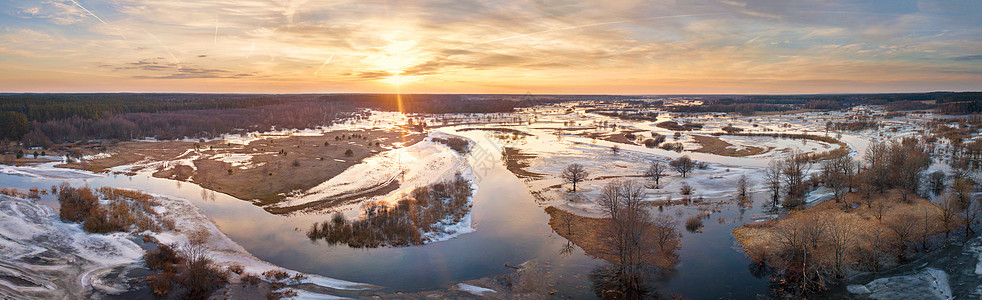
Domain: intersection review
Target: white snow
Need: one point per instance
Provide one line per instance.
(930, 283)
(29, 229)
(476, 290)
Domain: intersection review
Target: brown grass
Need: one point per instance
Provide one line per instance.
(517, 162)
(587, 233)
(715, 145)
(282, 165)
(762, 236)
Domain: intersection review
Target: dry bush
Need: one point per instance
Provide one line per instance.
(199, 276)
(165, 257)
(126, 211)
(276, 275)
(693, 224)
(460, 145)
(250, 279)
(162, 283)
(237, 269)
(425, 210)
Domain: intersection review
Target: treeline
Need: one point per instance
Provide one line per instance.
(434, 104)
(946, 102)
(46, 107)
(201, 123)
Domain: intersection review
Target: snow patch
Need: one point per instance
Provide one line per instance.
(476, 290)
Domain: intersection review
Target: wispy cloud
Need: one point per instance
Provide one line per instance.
(496, 46)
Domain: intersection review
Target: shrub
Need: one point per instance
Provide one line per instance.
(693, 223)
(250, 279)
(76, 204)
(457, 144)
(162, 258)
(162, 283)
(237, 269)
(276, 275)
(198, 275)
(686, 189)
(349, 153)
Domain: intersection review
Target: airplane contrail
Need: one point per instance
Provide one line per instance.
(588, 25)
(100, 19)
(175, 60)
(327, 61)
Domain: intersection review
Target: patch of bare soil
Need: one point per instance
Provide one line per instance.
(589, 234)
(517, 162)
(277, 165)
(715, 145)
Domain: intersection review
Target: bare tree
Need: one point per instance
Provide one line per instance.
(841, 236)
(903, 226)
(566, 220)
(875, 241)
(927, 227)
(656, 170)
(876, 161)
(968, 205)
(866, 190)
(742, 193)
(683, 165)
(772, 176)
(949, 209)
(665, 230)
(835, 175)
(937, 182)
(907, 158)
(574, 173)
(795, 168)
(627, 235)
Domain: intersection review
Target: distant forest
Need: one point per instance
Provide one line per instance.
(45, 119)
(954, 103)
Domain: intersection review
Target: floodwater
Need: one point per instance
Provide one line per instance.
(510, 229)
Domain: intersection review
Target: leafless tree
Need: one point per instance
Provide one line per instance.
(574, 173)
(928, 225)
(841, 236)
(742, 193)
(949, 209)
(835, 175)
(875, 241)
(968, 206)
(866, 190)
(627, 235)
(876, 161)
(907, 158)
(903, 226)
(656, 170)
(795, 168)
(665, 230)
(772, 176)
(683, 165)
(566, 220)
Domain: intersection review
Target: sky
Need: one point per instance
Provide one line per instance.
(492, 46)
